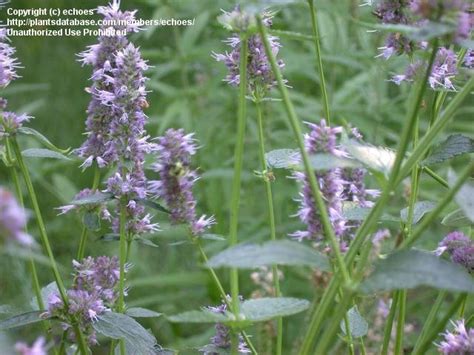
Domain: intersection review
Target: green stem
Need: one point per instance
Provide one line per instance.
(222, 292)
(435, 176)
(271, 215)
(83, 240)
(429, 219)
(317, 46)
(401, 321)
(123, 260)
(369, 223)
(238, 162)
(294, 122)
(430, 320)
(44, 238)
(387, 334)
(439, 327)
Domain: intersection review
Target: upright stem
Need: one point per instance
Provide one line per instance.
(387, 334)
(123, 258)
(317, 46)
(83, 240)
(19, 194)
(294, 122)
(369, 223)
(271, 215)
(238, 162)
(44, 239)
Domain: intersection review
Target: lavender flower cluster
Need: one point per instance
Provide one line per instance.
(337, 187)
(259, 73)
(420, 13)
(92, 293)
(458, 342)
(8, 63)
(116, 121)
(460, 248)
(174, 152)
(13, 219)
(38, 348)
(221, 341)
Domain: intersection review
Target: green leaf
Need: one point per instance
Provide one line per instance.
(380, 159)
(281, 252)
(121, 326)
(282, 158)
(412, 268)
(465, 195)
(328, 161)
(109, 237)
(95, 199)
(210, 236)
(202, 316)
(43, 153)
(358, 326)
(353, 212)
(254, 310)
(263, 309)
(91, 220)
(21, 320)
(454, 145)
(431, 30)
(42, 139)
(139, 312)
(419, 210)
(153, 204)
(456, 218)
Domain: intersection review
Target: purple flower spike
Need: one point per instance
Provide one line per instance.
(13, 219)
(174, 152)
(259, 73)
(8, 64)
(38, 348)
(10, 122)
(458, 342)
(102, 57)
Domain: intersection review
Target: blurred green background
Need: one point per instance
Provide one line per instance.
(186, 90)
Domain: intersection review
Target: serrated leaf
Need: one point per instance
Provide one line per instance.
(202, 316)
(153, 204)
(254, 310)
(43, 153)
(380, 159)
(91, 220)
(282, 158)
(456, 218)
(121, 326)
(408, 269)
(453, 146)
(139, 312)
(263, 309)
(465, 195)
(419, 210)
(352, 212)
(210, 236)
(42, 139)
(358, 326)
(281, 252)
(21, 319)
(324, 161)
(95, 199)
